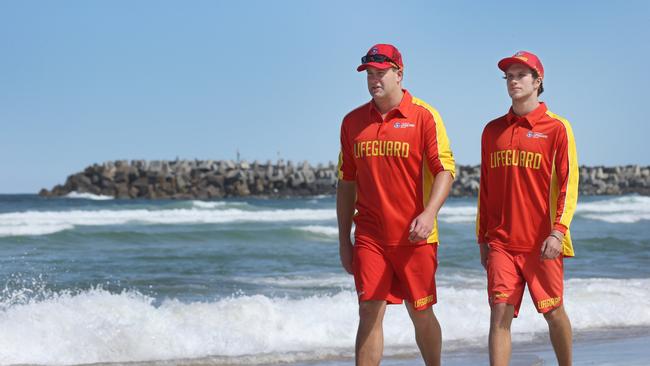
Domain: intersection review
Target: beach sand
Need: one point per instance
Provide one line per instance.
(616, 347)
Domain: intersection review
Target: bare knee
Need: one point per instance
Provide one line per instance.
(501, 316)
(424, 316)
(555, 316)
(371, 310)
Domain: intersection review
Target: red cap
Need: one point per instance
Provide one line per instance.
(524, 58)
(394, 58)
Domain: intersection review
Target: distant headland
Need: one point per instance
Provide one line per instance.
(213, 179)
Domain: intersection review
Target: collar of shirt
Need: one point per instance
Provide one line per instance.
(400, 111)
(531, 118)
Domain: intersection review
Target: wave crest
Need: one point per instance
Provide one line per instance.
(88, 196)
(99, 326)
(48, 222)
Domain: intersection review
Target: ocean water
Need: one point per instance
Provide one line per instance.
(87, 279)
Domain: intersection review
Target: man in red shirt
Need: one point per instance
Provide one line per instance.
(396, 170)
(527, 197)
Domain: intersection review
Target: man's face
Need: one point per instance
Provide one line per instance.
(520, 81)
(383, 82)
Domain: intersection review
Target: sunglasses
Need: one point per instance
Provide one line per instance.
(376, 58)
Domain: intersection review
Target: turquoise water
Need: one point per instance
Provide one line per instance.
(86, 279)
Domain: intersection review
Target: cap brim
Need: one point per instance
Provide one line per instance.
(377, 65)
(509, 61)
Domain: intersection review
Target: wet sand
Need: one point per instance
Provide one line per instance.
(616, 347)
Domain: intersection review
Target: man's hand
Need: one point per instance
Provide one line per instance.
(485, 249)
(552, 246)
(346, 195)
(421, 226)
(345, 253)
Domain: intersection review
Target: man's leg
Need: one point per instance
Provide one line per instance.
(427, 334)
(546, 284)
(370, 335)
(505, 292)
(415, 266)
(500, 343)
(559, 328)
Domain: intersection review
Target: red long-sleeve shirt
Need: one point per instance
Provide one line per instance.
(529, 180)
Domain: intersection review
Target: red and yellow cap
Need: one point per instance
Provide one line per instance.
(525, 58)
(382, 56)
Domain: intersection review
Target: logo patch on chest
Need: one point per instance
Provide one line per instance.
(404, 124)
(536, 135)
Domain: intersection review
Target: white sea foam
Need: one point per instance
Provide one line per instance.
(88, 196)
(625, 209)
(99, 326)
(329, 231)
(343, 281)
(217, 204)
(25, 230)
(33, 222)
(322, 196)
(208, 204)
(456, 214)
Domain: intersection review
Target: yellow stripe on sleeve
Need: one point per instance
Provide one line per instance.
(567, 245)
(571, 196)
(444, 147)
(428, 180)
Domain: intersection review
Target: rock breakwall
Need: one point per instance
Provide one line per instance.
(212, 179)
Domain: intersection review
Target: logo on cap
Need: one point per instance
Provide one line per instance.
(374, 51)
(521, 55)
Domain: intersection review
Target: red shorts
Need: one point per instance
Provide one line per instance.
(396, 273)
(508, 272)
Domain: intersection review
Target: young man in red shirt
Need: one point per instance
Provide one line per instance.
(527, 197)
(396, 169)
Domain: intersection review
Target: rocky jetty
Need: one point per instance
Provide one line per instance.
(594, 181)
(209, 179)
(615, 180)
(199, 179)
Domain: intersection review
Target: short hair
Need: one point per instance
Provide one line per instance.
(541, 84)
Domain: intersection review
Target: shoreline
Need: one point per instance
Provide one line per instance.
(606, 346)
(613, 347)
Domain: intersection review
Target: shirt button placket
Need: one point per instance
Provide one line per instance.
(514, 140)
(381, 127)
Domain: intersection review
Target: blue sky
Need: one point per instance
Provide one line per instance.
(83, 82)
